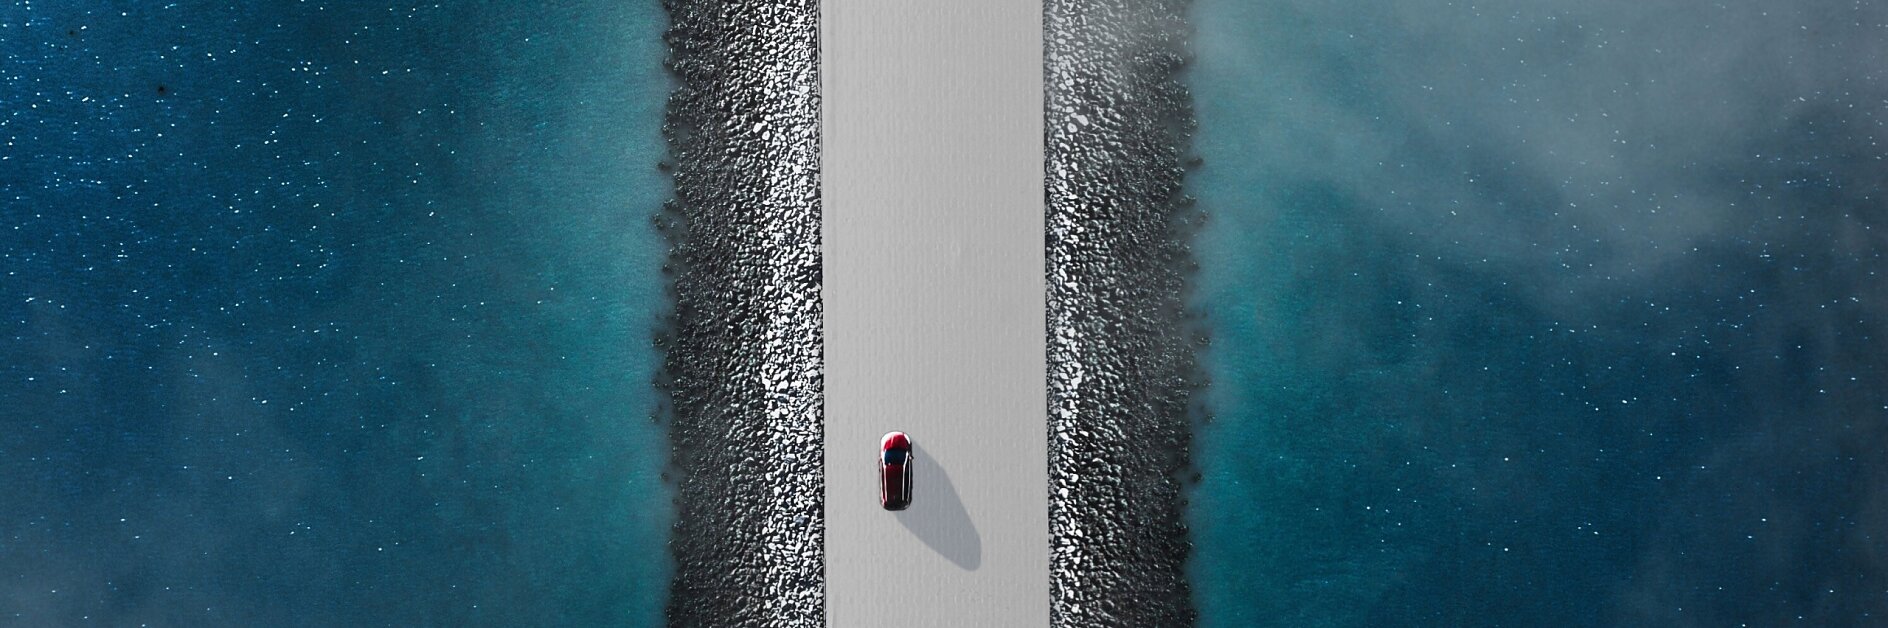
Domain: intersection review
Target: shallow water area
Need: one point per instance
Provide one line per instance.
(1540, 313)
(331, 314)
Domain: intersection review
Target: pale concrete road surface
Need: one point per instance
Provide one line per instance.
(931, 184)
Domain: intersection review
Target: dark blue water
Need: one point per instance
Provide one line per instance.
(330, 314)
(1543, 313)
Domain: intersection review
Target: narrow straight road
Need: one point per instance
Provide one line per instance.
(931, 186)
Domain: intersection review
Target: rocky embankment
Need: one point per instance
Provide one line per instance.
(743, 345)
(1122, 372)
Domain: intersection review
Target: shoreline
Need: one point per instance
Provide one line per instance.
(742, 348)
(1122, 372)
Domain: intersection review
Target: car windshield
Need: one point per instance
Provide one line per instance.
(894, 456)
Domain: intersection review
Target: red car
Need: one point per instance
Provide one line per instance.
(894, 471)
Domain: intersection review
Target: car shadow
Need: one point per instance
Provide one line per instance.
(937, 514)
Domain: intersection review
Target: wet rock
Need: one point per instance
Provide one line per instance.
(742, 346)
(1122, 372)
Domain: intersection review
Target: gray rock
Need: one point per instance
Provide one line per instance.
(1122, 372)
(742, 345)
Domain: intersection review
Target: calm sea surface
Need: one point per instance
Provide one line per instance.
(330, 314)
(1533, 313)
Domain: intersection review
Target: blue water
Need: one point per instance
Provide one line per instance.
(330, 314)
(1533, 313)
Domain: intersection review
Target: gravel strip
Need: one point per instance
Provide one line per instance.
(742, 366)
(1122, 372)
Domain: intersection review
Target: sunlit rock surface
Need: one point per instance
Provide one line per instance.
(1121, 365)
(742, 365)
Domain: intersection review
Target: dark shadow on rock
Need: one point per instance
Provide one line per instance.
(937, 514)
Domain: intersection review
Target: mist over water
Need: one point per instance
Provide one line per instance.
(1542, 313)
(330, 314)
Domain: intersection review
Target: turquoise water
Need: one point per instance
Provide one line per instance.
(1541, 313)
(331, 314)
